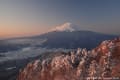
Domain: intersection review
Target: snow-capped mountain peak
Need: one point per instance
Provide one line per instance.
(69, 27)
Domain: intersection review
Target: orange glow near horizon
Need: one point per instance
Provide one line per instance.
(8, 30)
(8, 35)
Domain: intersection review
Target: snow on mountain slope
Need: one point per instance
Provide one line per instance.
(101, 63)
(69, 27)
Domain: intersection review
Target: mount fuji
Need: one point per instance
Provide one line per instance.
(69, 36)
(66, 36)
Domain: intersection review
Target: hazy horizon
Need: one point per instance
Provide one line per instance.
(27, 18)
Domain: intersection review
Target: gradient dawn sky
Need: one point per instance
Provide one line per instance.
(31, 17)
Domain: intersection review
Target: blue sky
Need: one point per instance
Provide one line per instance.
(27, 17)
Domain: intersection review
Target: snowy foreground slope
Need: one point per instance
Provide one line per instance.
(101, 63)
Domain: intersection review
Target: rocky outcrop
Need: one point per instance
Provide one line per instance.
(101, 63)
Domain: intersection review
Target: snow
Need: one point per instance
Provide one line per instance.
(69, 27)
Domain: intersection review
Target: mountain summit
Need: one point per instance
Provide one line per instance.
(68, 27)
